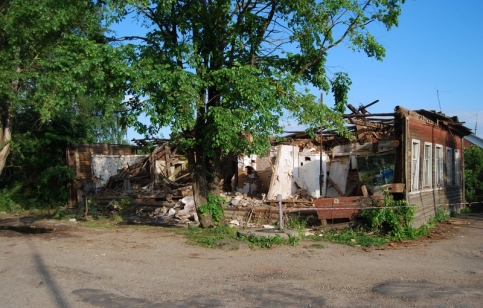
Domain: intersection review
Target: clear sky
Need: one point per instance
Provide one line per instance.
(437, 48)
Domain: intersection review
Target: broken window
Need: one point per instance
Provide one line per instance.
(415, 165)
(427, 165)
(438, 165)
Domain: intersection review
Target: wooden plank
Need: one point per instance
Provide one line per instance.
(344, 207)
(336, 187)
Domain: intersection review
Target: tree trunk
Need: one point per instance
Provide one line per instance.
(5, 136)
(197, 163)
(6, 125)
(215, 174)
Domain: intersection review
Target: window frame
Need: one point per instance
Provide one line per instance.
(438, 165)
(449, 166)
(457, 167)
(415, 164)
(427, 180)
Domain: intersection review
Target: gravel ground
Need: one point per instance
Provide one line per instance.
(150, 267)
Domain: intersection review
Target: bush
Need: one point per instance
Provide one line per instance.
(474, 174)
(393, 218)
(214, 207)
(7, 202)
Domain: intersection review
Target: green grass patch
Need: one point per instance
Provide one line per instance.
(317, 246)
(207, 237)
(352, 237)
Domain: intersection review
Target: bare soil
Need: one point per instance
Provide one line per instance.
(73, 266)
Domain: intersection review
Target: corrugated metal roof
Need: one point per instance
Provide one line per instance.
(475, 140)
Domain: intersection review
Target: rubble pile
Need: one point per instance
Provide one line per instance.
(155, 189)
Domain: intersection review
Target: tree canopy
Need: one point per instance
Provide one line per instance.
(218, 70)
(60, 81)
(474, 173)
(55, 58)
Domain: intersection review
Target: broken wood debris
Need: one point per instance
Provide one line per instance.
(154, 188)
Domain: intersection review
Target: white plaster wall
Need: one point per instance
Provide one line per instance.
(105, 166)
(286, 171)
(309, 173)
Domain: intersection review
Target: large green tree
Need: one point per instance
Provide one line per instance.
(474, 173)
(218, 70)
(54, 60)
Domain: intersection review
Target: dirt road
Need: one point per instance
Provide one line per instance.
(128, 267)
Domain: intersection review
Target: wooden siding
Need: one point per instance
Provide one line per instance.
(429, 199)
(78, 158)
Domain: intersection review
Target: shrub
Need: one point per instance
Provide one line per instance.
(393, 218)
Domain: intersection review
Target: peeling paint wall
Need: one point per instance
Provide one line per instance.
(286, 171)
(309, 173)
(105, 166)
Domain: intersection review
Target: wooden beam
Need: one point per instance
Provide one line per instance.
(368, 115)
(337, 188)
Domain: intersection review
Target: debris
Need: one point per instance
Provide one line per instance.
(171, 212)
(268, 227)
(235, 222)
(458, 222)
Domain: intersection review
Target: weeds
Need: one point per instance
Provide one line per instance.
(207, 236)
(393, 218)
(352, 237)
(214, 207)
(298, 224)
(318, 246)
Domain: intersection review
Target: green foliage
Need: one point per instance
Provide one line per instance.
(265, 241)
(60, 213)
(318, 246)
(214, 207)
(232, 69)
(340, 89)
(298, 224)
(36, 165)
(269, 241)
(474, 174)
(125, 203)
(393, 218)
(8, 203)
(92, 209)
(441, 215)
(352, 237)
(60, 82)
(207, 236)
(386, 224)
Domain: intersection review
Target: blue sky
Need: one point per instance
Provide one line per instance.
(438, 47)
